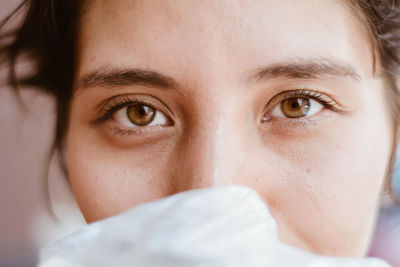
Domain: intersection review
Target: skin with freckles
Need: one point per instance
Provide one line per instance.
(277, 95)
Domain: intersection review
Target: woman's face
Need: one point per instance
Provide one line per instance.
(280, 96)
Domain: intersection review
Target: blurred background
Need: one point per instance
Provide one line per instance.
(26, 132)
(26, 224)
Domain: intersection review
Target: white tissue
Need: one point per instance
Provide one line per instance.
(221, 226)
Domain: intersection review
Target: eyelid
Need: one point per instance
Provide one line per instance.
(323, 98)
(108, 107)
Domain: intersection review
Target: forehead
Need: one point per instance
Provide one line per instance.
(232, 35)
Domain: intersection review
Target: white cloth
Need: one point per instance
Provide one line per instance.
(222, 226)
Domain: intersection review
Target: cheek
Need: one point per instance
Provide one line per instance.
(334, 181)
(345, 179)
(107, 180)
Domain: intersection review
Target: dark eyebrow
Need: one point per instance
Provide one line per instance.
(298, 69)
(304, 69)
(124, 77)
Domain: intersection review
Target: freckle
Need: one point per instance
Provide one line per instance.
(308, 170)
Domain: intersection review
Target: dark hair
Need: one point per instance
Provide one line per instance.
(46, 38)
(48, 33)
(383, 20)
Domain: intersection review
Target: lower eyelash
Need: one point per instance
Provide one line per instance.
(137, 131)
(121, 132)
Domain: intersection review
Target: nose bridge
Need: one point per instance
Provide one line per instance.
(209, 154)
(223, 156)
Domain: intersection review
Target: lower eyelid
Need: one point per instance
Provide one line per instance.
(137, 131)
(286, 125)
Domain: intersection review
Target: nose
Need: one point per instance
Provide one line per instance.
(212, 152)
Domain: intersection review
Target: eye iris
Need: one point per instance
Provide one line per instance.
(295, 107)
(141, 115)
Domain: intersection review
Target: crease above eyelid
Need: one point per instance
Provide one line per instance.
(125, 100)
(135, 98)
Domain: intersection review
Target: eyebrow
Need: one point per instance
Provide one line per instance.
(304, 69)
(300, 69)
(124, 77)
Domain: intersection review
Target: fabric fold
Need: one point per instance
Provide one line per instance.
(220, 226)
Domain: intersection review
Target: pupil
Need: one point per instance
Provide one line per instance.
(295, 105)
(142, 111)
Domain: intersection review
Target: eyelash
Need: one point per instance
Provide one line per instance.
(120, 102)
(318, 96)
(322, 98)
(116, 104)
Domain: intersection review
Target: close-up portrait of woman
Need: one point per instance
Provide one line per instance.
(216, 133)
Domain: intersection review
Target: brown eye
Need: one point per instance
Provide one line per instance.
(295, 107)
(140, 115)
